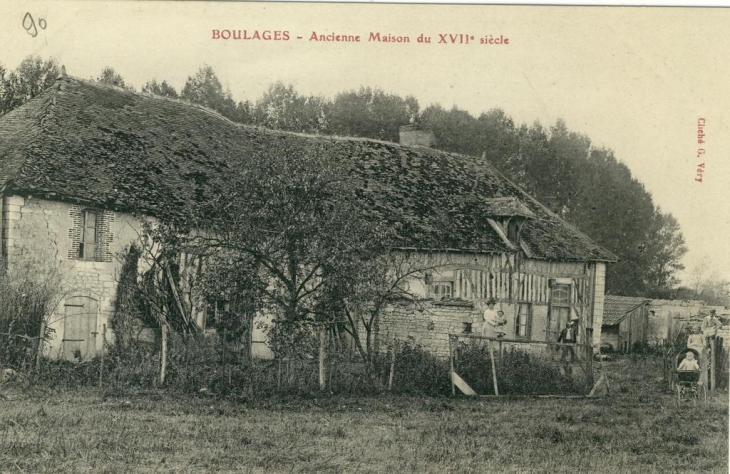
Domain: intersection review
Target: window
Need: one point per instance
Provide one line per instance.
(523, 321)
(214, 312)
(87, 246)
(443, 289)
(90, 234)
(559, 309)
(466, 329)
(513, 230)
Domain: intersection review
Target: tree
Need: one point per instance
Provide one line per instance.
(111, 77)
(371, 113)
(362, 293)
(665, 253)
(205, 88)
(292, 219)
(162, 88)
(499, 141)
(283, 108)
(33, 76)
(705, 283)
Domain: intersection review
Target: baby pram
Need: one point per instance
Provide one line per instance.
(687, 383)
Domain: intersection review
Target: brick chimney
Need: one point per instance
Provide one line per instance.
(413, 134)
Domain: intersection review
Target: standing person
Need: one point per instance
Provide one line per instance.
(569, 335)
(710, 324)
(490, 319)
(696, 340)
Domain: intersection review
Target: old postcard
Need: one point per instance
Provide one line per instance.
(300, 237)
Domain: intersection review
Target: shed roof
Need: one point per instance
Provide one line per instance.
(615, 308)
(85, 142)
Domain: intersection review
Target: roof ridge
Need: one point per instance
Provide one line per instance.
(148, 95)
(217, 114)
(52, 91)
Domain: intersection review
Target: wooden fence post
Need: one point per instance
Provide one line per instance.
(39, 346)
(713, 364)
(451, 365)
(163, 353)
(589, 365)
(278, 378)
(101, 365)
(322, 359)
(494, 369)
(392, 365)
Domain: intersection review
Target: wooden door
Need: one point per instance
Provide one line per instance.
(79, 334)
(559, 310)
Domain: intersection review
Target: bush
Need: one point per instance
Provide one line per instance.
(518, 372)
(25, 301)
(64, 374)
(418, 371)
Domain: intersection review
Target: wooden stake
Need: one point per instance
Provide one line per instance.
(451, 369)
(322, 360)
(101, 365)
(713, 364)
(39, 346)
(163, 353)
(225, 354)
(392, 366)
(494, 369)
(278, 378)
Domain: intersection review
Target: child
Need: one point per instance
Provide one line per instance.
(689, 362)
(500, 323)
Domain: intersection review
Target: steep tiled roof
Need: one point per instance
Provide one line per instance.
(616, 307)
(86, 142)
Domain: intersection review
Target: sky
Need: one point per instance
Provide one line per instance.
(636, 80)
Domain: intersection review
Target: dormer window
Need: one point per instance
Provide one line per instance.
(513, 228)
(507, 216)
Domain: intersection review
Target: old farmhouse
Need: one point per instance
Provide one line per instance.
(83, 165)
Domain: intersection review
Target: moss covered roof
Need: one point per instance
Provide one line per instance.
(85, 142)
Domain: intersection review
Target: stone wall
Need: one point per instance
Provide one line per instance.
(38, 240)
(668, 317)
(427, 324)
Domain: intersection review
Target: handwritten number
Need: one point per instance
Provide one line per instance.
(29, 24)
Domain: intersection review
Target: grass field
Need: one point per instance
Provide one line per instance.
(637, 429)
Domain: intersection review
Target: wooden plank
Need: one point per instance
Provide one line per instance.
(601, 383)
(462, 385)
(527, 395)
